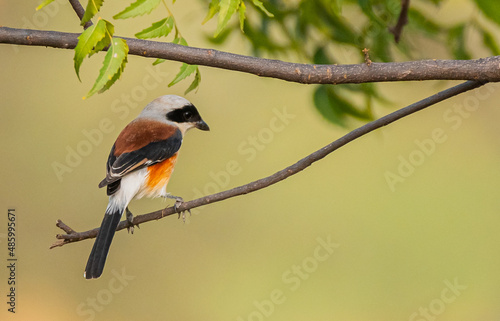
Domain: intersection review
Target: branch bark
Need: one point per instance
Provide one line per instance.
(485, 69)
(72, 236)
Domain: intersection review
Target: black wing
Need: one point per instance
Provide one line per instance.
(152, 153)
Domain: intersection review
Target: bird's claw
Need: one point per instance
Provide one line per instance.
(178, 203)
(130, 228)
(130, 221)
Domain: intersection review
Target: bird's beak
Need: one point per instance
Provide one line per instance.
(201, 125)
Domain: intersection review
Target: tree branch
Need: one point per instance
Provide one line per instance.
(80, 12)
(73, 236)
(402, 20)
(485, 69)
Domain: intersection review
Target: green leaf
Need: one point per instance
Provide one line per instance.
(490, 43)
(195, 83)
(110, 30)
(159, 29)
(185, 71)
(322, 104)
(221, 37)
(227, 9)
(380, 48)
(101, 45)
(346, 107)
(260, 5)
(93, 7)
(241, 11)
(43, 4)
(421, 22)
(94, 38)
(321, 16)
(261, 40)
(138, 8)
(180, 41)
(320, 57)
(367, 8)
(456, 40)
(490, 8)
(336, 108)
(370, 91)
(112, 68)
(213, 8)
(337, 7)
(435, 2)
(159, 61)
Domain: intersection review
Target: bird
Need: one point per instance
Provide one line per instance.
(140, 164)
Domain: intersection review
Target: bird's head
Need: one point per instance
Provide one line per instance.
(174, 110)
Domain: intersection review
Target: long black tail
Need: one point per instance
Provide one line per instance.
(97, 257)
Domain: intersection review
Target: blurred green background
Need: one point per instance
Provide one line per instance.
(424, 247)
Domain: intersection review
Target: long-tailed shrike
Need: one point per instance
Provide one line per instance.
(140, 164)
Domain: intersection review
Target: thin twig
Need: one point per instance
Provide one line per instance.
(368, 61)
(64, 227)
(402, 20)
(287, 172)
(80, 12)
(485, 69)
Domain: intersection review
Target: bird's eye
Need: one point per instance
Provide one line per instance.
(187, 114)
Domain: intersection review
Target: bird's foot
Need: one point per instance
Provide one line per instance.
(130, 221)
(178, 203)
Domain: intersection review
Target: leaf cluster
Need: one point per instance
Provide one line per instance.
(337, 31)
(315, 31)
(99, 37)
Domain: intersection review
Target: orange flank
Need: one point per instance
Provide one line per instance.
(159, 174)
